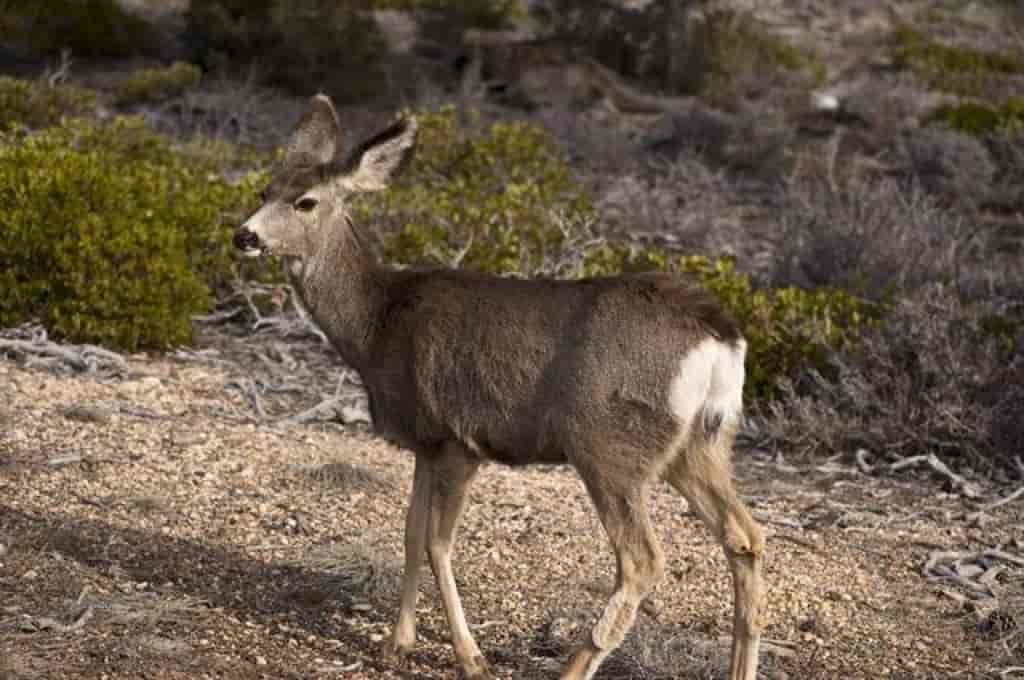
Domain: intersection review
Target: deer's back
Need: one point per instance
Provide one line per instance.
(525, 371)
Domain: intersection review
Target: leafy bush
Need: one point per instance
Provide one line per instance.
(493, 200)
(154, 84)
(303, 45)
(741, 56)
(789, 330)
(36, 104)
(502, 200)
(489, 14)
(109, 235)
(979, 119)
(958, 70)
(87, 27)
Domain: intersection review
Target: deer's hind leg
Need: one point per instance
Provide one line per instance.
(703, 474)
(622, 507)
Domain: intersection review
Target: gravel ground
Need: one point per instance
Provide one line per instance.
(151, 526)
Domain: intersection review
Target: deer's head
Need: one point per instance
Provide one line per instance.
(309, 193)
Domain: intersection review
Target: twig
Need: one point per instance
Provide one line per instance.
(248, 385)
(218, 317)
(861, 456)
(49, 623)
(140, 412)
(60, 461)
(959, 483)
(323, 409)
(63, 70)
(1003, 501)
(1005, 556)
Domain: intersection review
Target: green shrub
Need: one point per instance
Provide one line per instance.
(155, 84)
(494, 199)
(740, 54)
(500, 199)
(87, 27)
(489, 14)
(958, 70)
(109, 235)
(788, 330)
(36, 104)
(302, 45)
(979, 119)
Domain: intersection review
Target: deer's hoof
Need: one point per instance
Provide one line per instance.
(395, 651)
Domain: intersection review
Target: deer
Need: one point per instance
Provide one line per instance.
(630, 380)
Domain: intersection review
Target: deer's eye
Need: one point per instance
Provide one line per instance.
(305, 204)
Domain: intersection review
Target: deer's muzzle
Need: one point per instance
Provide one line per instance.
(248, 242)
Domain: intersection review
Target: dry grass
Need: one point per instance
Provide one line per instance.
(933, 379)
(873, 237)
(345, 478)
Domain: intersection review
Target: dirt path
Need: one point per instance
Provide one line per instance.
(148, 530)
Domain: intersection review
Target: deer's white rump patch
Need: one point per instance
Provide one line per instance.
(707, 390)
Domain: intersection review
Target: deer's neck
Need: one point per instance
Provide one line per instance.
(344, 289)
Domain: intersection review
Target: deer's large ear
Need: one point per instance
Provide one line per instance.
(375, 161)
(317, 137)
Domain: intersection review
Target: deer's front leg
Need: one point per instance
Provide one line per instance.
(452, 472)
(403, 637)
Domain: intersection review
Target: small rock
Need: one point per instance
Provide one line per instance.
(3, 549)
(652, 607)
(30, 575)
(261, 661)
(376, 638)
(143, 385)
(186, 439)
(86, 413)
(354, 415)
(362, 607)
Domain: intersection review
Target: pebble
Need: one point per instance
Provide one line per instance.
(261, 661)
(86, 413)
(30, 575)
(134, 388)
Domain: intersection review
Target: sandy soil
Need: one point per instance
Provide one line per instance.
(150, 526)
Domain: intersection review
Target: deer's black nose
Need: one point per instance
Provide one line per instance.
(246, 240)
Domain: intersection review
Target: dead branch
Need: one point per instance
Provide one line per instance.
(248, 386)
(85, 358)
(625, 99)
(47, 349)
(326, 409)
(40, 623)
(60, 461)
(960, 484)
(218, 317)
(1003, 501)
(861, 456)
(974, 572)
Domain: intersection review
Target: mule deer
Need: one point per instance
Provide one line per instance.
(629, 379)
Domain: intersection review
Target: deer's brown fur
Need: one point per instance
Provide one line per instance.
(629, 379)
